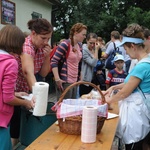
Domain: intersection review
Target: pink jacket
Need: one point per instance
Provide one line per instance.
(8, 76)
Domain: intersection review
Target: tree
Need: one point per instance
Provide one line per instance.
(100, 16)
(62, 17)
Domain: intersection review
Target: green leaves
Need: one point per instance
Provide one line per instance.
(100, 16)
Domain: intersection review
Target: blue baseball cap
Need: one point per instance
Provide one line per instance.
(126, 39)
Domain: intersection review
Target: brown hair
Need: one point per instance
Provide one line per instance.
(146, 33)
(115, 34)
(78, 27)
(91, 35)
(99, 39)
(134, 30)
(40, 26)
(11, 39)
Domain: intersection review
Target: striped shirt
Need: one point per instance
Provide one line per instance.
(114, 77)
(60, 55)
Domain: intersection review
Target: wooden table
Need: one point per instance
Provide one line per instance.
(52, 139)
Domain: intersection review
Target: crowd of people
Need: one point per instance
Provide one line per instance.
(121, 82)
(25, 59)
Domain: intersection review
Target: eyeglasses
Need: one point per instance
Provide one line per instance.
(92, 43)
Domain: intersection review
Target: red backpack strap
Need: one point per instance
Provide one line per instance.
(52, 52)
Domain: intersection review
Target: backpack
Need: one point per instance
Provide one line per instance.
(110, 60)
(62, 61)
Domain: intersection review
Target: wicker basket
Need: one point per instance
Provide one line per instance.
(72, 125)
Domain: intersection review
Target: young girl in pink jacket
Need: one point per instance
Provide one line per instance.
(11, 42)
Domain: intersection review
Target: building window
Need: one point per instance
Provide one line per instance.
(36, 15)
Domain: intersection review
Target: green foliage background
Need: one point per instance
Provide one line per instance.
(100, 16)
